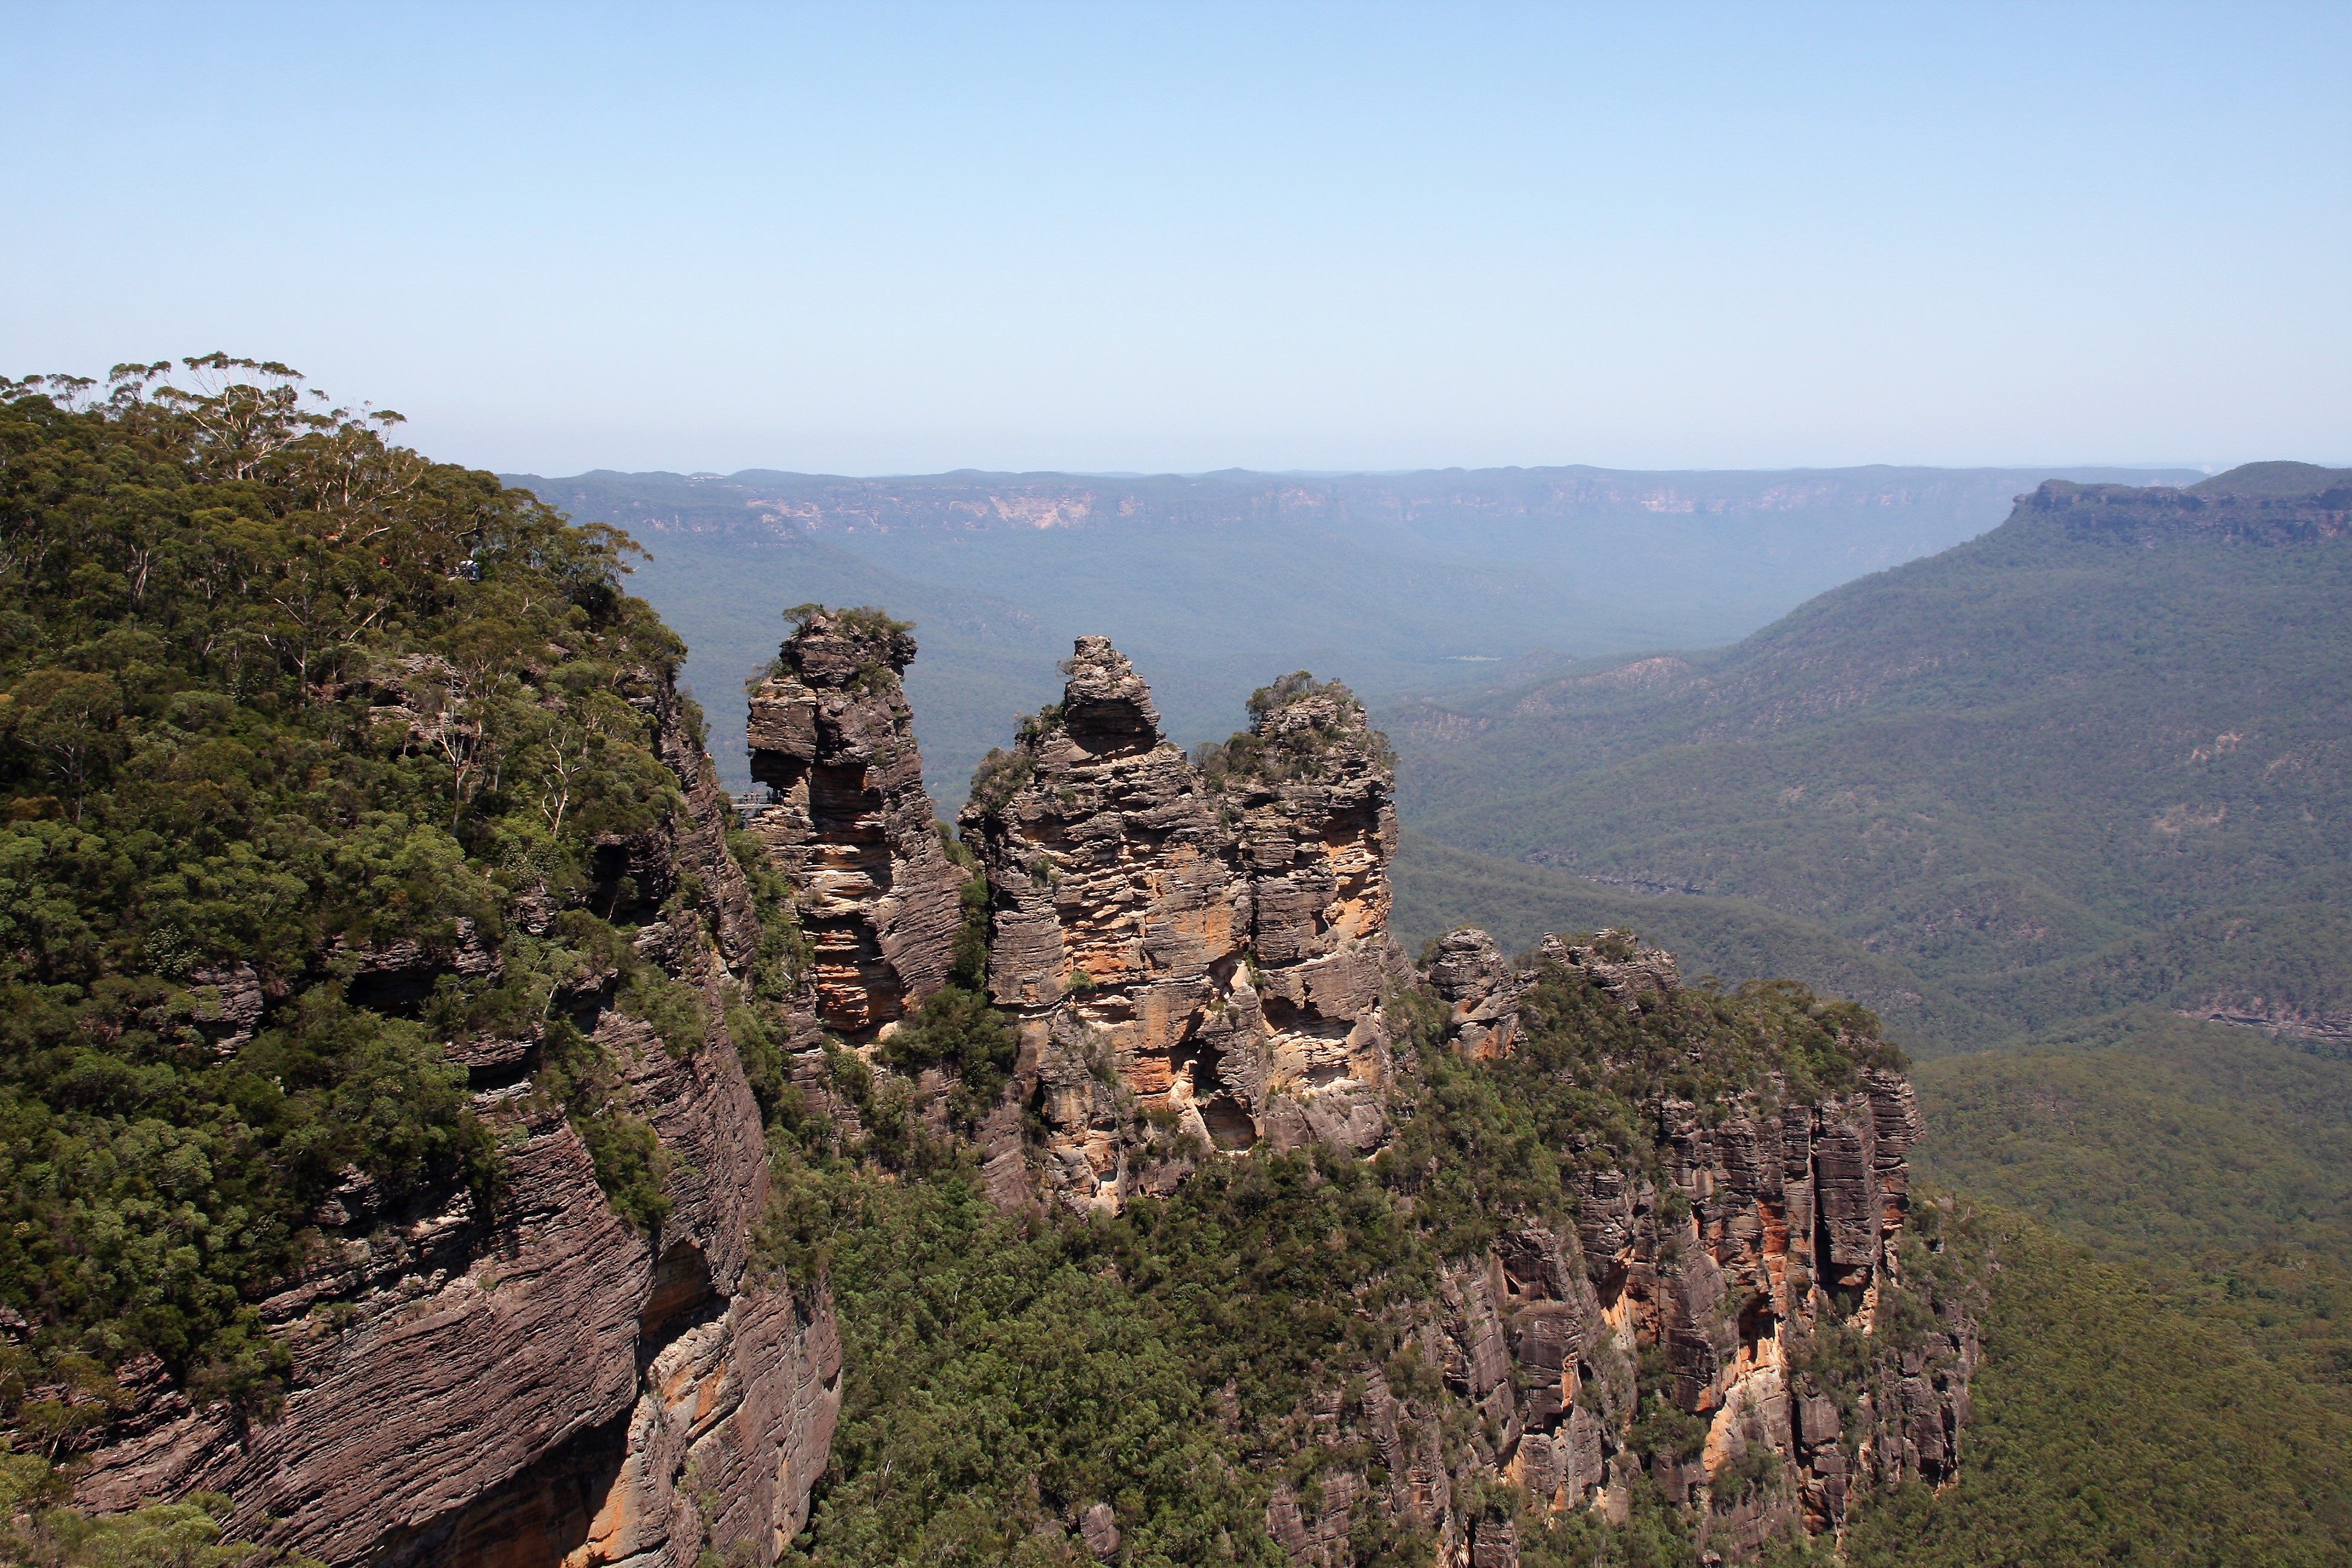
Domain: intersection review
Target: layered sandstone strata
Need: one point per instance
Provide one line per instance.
(534, 1382)
(850, 825)
(1196, 952)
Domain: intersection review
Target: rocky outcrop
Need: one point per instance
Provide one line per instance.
(1483, 989)
(1792, 1221)
(2324, 1030)
(1477, 984)
(1196, 952)
(1523, 1347)
(532, 1380)
(849, 824)
(1737, 1242)
(1413, 1486)
(2259, 504)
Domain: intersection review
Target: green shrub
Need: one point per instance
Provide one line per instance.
(675, 1010)
(39, 1527)
(1000, 777)
(960, 1030)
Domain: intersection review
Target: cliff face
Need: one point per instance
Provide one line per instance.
(1753, 1247)
(1195, 954)
(2217, 509)
(534, 1381)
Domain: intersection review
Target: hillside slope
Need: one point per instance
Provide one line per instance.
(2115, 1424)
(2103, 754)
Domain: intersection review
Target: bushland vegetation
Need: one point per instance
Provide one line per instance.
(276, 696)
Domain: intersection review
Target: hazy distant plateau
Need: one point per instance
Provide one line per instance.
(1216, 583)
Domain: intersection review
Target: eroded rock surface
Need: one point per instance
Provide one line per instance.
(850, 825)
(1736, 1246)
(535, 1382)
(1196, 952)
(2220, 509)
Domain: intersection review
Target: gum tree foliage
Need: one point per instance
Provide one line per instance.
(39, 1527)
(275, 691)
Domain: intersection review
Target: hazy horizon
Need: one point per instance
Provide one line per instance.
(1369, 473)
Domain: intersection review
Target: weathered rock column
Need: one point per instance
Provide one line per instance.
(852, 827)
(1197, 955)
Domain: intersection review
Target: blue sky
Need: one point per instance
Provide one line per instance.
(875, 239)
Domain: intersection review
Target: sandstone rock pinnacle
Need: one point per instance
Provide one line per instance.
(1107, 707)
(851, 826)
(1199, 949)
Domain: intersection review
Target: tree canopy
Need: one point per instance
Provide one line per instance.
(276, 692)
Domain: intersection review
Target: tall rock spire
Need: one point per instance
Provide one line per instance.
(1196, 952)
(1106, 707)
(851, 826)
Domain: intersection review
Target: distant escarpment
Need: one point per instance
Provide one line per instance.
(1420, 578)
(2260, 503)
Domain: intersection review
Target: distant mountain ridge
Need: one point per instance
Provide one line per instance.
(1389, 580)
(2025, 769)
(978, 499)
